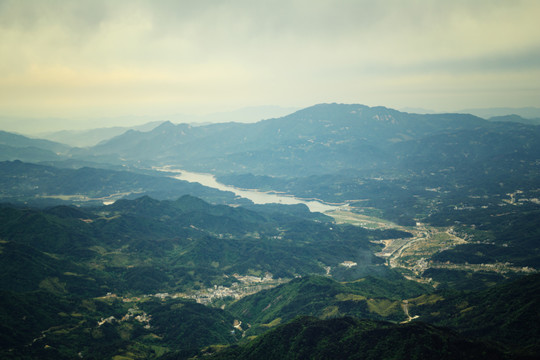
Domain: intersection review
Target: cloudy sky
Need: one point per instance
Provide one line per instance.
(82, 60)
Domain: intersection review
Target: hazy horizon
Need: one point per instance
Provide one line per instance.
(97, 63)
(36, 127)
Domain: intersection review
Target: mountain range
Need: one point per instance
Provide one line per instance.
(101, 282)
(432, 248)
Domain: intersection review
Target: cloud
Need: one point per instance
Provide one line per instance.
(68, 58)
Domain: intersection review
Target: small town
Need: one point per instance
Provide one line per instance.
(246, 285)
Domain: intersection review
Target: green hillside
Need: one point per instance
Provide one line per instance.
(45, 185)
(40, 325)
(175, 270)
(507, 314)
(350, 338)
(369, 297)
(151, 245)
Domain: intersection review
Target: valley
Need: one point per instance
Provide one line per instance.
(269, 180)
(217, 295)
(408, 255)
(374, 220)
(257, 197)
(412, 255)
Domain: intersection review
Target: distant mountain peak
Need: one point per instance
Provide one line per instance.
(165, 125)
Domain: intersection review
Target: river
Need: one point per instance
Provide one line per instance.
(258, 197)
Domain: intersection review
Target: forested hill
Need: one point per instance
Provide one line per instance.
(498, 323)
(18, 147)
(318, 139)
(350, 338)
(153, 245)
(45, 185)
(168, 271)
(398, 162)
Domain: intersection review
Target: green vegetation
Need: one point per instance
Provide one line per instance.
(506, 314)
(45, 186)
(369, 297)
(349, 338)
(453, 198)
(43, 325)
(54, 307)
(145, 246)
(59, 263)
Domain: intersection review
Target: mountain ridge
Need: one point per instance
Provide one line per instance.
(338, 135)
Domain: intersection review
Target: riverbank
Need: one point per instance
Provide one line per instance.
(257, 197)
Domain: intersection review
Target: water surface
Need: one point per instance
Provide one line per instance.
(258, 197)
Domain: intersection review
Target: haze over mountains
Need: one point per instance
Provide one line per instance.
(385, 205)
(90, 131)
(526, 112)
(332, 131)
(436, 224)
(92, 136)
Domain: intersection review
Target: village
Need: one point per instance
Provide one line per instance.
(246, 285)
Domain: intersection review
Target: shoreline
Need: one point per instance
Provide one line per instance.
(256, 196)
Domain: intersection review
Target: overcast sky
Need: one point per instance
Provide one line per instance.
(133, 58)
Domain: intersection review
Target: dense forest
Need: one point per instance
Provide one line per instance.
(431, 249)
